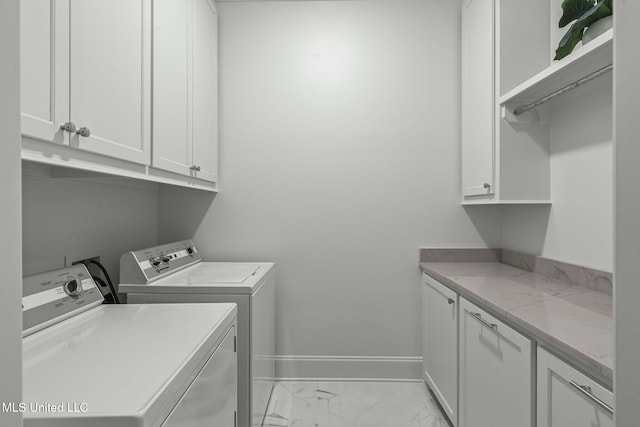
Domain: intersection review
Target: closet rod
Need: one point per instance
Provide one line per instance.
(521, 109)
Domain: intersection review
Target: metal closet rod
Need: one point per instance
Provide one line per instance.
(521, 109)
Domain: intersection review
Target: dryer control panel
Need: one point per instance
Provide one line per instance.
(51, 297)
(146, 265)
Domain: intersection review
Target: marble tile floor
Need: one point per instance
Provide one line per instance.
(352, 404)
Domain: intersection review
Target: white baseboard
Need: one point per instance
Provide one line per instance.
(351, 368)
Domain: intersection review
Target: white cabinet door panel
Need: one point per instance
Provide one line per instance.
(478, 89)
(110, 76)
(495, 372)
(561, 402)
(44, 69)
(171, 81)
(205, 89)
(440, 335)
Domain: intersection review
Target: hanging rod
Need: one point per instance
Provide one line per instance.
(521, 109)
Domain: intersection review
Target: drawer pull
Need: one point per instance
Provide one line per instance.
(478, 316)
(586, 390)
(451, 301)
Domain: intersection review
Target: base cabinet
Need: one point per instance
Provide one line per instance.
(440, 344)
(495, 372)
(568, 398)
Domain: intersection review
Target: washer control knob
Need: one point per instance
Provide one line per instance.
(155, 261)
(190, 250)
(166, 259)
(71, 288)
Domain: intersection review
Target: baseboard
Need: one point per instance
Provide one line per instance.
(349, 368)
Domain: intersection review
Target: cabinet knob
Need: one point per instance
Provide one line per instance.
(195, 168)
(487, 185)
(84, 132)
(451, 301)
(68, 127)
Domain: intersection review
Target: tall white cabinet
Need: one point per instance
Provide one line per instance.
(86, 76)
(185, 124)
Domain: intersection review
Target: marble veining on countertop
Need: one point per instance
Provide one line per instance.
(573, 321)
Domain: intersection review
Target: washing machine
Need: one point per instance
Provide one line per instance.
(86, 364)
(176, 273)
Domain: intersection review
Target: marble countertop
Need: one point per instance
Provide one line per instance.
(572, 321)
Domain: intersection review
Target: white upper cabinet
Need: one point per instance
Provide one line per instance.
(185, 110)
(111, 77)
(477, 97)
(503, 43)
(86, 64)
(205, 89)
(44, 68)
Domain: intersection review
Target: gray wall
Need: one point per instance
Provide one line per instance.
(578, 227)
(339, 158)
(10, 254)
(63, 215)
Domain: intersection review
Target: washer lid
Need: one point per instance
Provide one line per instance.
(132, 362)
(208, 277)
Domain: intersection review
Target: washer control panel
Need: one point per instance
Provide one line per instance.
(51, 297)
(145, 265)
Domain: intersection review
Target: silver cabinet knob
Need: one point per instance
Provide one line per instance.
(84, 132)
(195, 168)
(68, 127)
(487, 185)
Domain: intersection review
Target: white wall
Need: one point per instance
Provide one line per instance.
(339, 158)
(578, 227)
(62, 216)
(10, 254)
(627, 214)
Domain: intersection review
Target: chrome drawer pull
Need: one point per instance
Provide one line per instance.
(478, 316)
(586, 390)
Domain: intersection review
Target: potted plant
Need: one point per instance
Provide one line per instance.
(583, 14)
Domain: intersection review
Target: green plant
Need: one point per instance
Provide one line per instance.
(584, 13)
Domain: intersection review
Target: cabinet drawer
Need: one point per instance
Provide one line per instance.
(568, 398)
(495, 371)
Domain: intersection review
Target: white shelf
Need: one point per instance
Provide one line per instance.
(95, 166)
(504, 202)
(583, 61)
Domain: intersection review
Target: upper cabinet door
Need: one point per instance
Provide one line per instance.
(44, 69)
(171, 81)
(478, 88)
(111, 77)
(205, 89)
(185, 88)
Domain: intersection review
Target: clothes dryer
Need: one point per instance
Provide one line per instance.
(176, 273)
